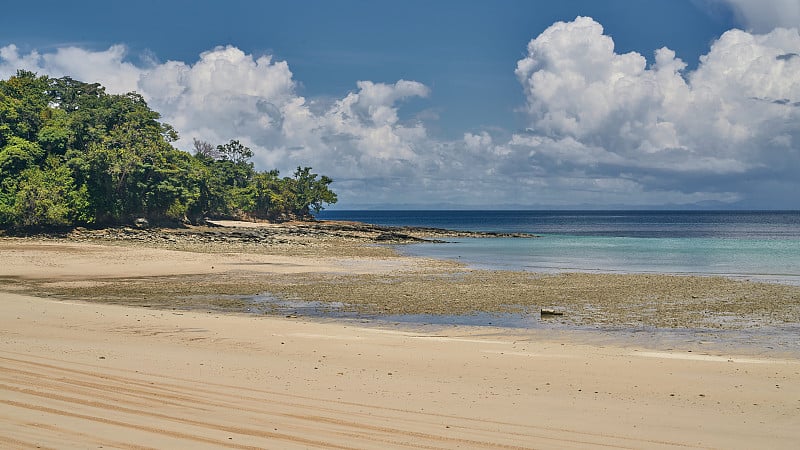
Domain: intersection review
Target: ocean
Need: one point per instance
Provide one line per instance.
(750, 245)
(754, 245)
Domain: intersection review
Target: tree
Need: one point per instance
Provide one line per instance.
(18, 155)
(235, 152)
(226, 183)
(203, 149)
(134, 172)
(49, 198)
(311, 193)
(29, 95)
(55, 136)
(269, 199)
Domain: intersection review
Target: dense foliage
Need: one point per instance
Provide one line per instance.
(70, 154)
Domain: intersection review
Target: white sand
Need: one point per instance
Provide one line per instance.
(75, 375)
(81, 375)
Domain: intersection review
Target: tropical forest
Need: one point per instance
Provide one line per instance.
(73, 155)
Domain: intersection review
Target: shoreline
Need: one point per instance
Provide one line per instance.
(144, 342)
(346, 267)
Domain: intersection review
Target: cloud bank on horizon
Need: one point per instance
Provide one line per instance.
(602, 128)
(763, 16)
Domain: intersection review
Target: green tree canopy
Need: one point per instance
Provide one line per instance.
(72, 154)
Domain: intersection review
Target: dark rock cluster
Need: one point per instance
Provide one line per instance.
(298, 232)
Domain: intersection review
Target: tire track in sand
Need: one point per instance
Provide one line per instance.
(134, 399)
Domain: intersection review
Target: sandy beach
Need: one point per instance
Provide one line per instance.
(90, 358)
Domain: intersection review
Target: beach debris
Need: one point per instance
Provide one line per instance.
(551, 312)
(141, 222)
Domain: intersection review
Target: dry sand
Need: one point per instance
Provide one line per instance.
(85, 375)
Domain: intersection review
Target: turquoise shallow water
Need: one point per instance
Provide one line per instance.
(758, 245)
(756, 259)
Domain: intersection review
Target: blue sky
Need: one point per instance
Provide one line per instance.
(331, 44)
(319, 83)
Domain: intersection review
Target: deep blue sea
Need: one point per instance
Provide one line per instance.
(757, 245)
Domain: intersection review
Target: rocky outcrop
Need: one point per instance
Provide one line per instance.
(266, 233)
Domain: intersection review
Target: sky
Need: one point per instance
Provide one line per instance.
(459, 104)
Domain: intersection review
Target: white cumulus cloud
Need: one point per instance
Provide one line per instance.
(607, 113)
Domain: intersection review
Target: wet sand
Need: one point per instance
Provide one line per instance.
(359, 276)
(130, 345)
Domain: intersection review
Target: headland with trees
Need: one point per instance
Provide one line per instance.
(73, 155)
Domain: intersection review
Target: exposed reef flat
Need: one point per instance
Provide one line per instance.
(222, 268)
